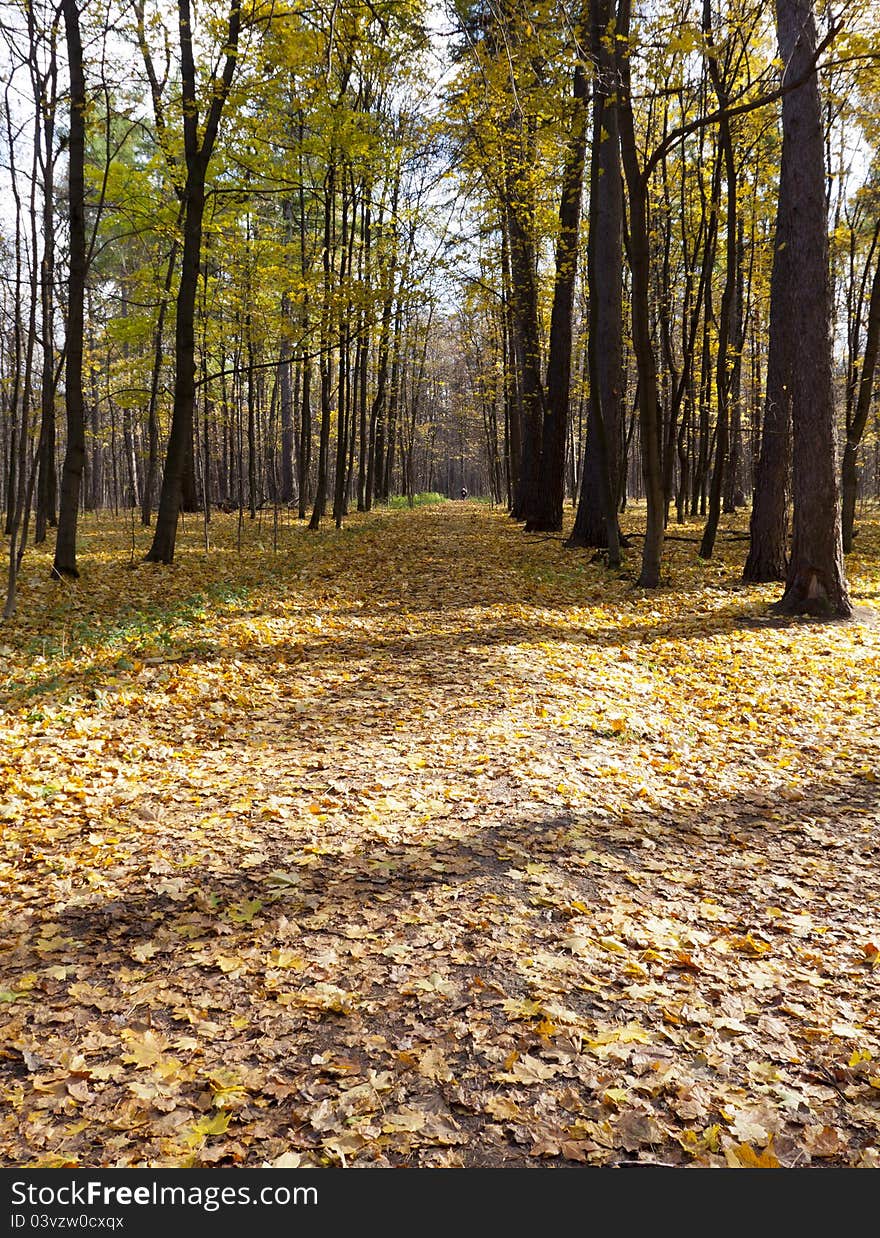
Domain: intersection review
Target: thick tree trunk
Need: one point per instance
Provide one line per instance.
(815, 583)
(596, 518)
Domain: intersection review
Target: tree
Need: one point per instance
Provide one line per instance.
(859, 398)
(74, 457)
(815, 581)
(596, 519)
(544, 505)
(639, 253)
(198, 149)
(728, 327)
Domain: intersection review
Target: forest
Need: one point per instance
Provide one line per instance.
(440, 497)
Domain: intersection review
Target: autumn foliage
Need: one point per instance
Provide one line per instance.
(428, 842)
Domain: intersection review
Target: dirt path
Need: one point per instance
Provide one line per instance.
(427, 843)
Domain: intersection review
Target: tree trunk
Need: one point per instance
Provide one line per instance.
(856, 428)
(726, 324)
(767, 558)
(545, 505)
(75, 453)
(47, 485)
(180, 439)
(639, 261)
(596, 518)
(519, 209)
(179, 456)
(815, 583)
(325, 358)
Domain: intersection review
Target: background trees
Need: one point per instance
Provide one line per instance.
(374, 250)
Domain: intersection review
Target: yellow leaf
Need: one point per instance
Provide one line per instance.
(148, 1050)
(216, 1124)
(522, 1008)
(743, 1156)
(632, 1033)
(504, 1108)
(749, 945)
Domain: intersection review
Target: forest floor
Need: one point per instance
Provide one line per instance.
(427, 842)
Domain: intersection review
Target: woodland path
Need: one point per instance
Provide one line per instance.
(426, 842)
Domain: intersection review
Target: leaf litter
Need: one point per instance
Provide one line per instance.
(425, 842)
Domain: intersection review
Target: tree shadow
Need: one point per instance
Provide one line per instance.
(377, 872)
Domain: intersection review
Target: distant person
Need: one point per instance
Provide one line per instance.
(464, 492)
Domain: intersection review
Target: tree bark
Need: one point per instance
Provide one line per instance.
(47, 484)
(639, 262)
(545, 505)
(856, 427)
(596, 517)
(325, 362)
(726, 324)
(197, 153)
(75, 453)
(815, 583)
(526, 339)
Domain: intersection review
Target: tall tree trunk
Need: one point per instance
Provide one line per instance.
(285, 402)
(156, 374)
(767, 558)
(363, 352)
(726, 325)
(545, 505)
(325, 358)
(639, 262)
(512, 393)
(526, 334)
(733, 496)
(180, 439)
(198, 153)
(856, 427)
(815, 583)
(285, 375)
(343, 402)
(304, 460)
(47, 484)
(251, 418)
(75, 453)
(596, 517)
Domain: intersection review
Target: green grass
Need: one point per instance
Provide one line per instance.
(423, 499)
